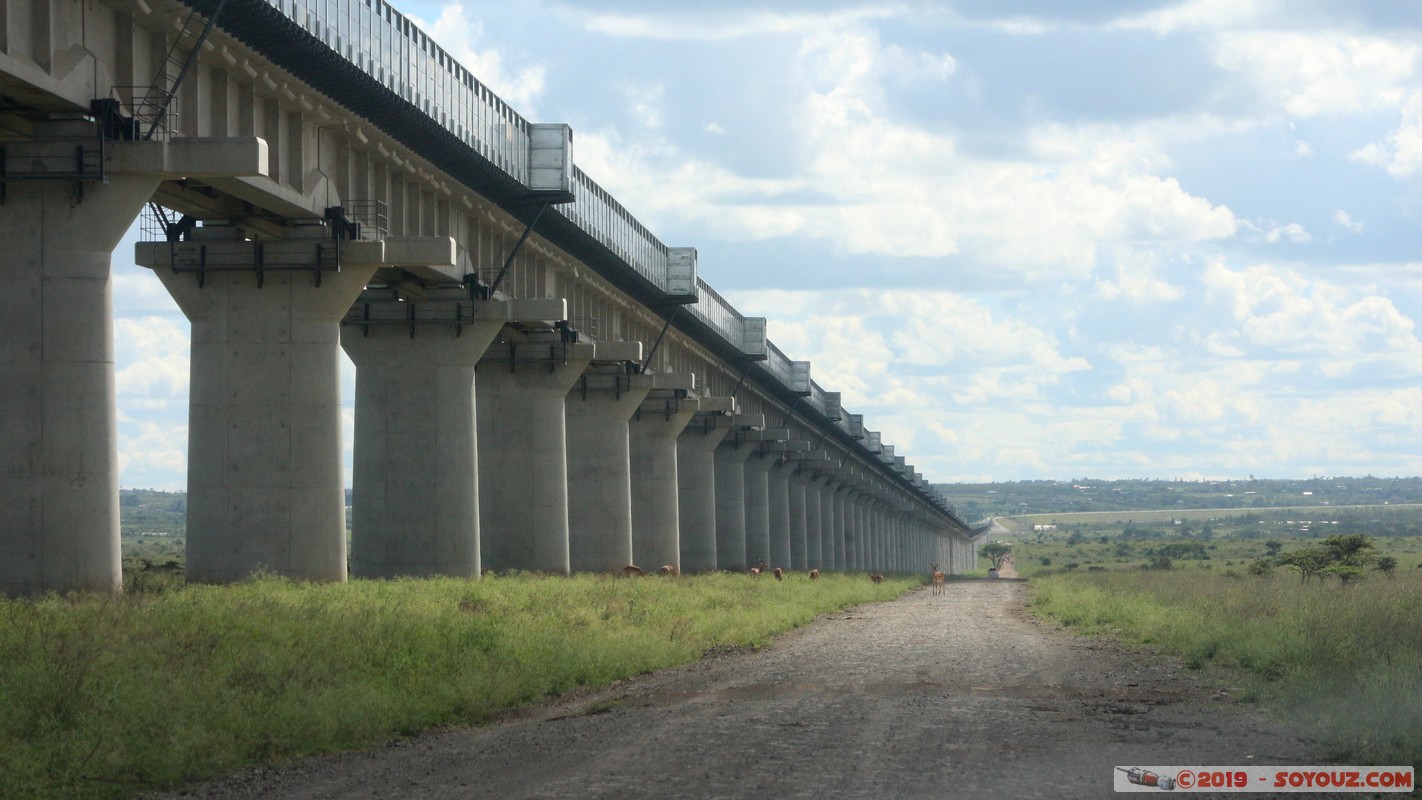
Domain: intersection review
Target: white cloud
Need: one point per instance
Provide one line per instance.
(154, 454)
(946, 345)
(1340, 327)
(1201, 15)
(1401, 152)
(872, 176)
(645, 103)
(1310, 74)
(1346, 220)
(460, 34)
(1136, 281)
(720, 26)
(162, 366)
(1292, 232)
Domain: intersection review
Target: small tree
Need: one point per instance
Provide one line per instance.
(1386, 565)
(1353, 549)
(996, 552)
(1306, 562)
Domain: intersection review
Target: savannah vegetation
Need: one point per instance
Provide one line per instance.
(101, 698)
(1310, 610)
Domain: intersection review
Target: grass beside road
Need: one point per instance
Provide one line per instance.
(101, 698)
(1342, 661)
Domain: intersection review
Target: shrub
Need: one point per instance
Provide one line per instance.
(1261, 567)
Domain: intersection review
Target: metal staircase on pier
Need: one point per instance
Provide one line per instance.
(152, 110)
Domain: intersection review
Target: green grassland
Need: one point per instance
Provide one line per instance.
(1343, 662)
(100, 698)
(1339, 655)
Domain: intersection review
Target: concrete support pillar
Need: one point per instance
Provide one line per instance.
(656, 517)
(697, 494)
(777, 480)
(861, 533)
(58, 445)
(871, 536)
(265, 484)
(828, 554)
(731, 504)
(598, 409)
(910, 543)
(415, 476)
(853, 530)
(814, 505)
(757, 469)
(869, 542)
(523, 487)
(799, 555)
(842, 507)
(898, 553)
(874, 537)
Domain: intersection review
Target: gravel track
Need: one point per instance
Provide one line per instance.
(960, 695)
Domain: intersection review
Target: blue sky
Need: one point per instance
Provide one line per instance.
(1026, 240)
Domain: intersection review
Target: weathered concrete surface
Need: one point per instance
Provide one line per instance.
(58, 440)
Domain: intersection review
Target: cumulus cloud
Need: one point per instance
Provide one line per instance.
(1401, 152)
(1292, 232)
(1200, 15)
(1342, 327)
(1314, 73)
(1136, 281)
(871, 175)
(154, 454)
(711, 25)
(461, 34)
(945, 345)
(1346, 220)
(161, 367)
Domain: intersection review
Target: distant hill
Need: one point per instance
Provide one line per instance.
(976, 501)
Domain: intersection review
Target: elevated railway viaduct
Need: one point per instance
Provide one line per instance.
(541, 383)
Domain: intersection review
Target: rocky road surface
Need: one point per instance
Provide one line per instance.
(959, 695)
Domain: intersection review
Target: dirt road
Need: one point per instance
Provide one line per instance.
(952, 696)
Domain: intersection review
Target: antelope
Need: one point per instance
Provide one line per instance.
(937, 579)
(779, 574)
(814, 574)
(669, 569)
(757, 570)
(632, 570)
(877, 578)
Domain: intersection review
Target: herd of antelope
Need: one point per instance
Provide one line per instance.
(633, 571)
